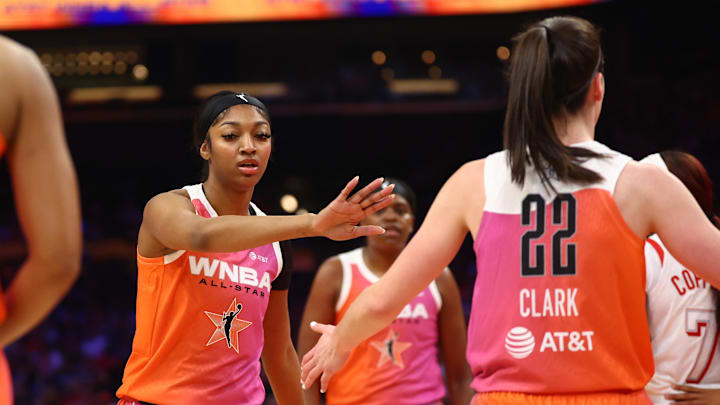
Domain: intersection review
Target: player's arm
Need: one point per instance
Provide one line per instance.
(667, 208)
(46, 196)
(279, 358)
(430, 250)
(694, 395)
(320, 307)
(169, 220)
(453, 340)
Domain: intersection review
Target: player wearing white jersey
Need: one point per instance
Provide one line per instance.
(681, 306)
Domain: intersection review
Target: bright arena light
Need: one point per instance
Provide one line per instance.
(379, 58)
(503, 53)
(140, 72)
(289, 203)
(428, 57)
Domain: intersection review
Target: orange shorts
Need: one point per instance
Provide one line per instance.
(512, 398)
(6, 388)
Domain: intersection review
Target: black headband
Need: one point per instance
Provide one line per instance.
(401, 189)
(219, 103)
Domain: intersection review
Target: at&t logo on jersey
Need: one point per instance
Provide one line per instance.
(255, 256)
(519, 342)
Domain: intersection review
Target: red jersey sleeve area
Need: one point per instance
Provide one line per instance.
(658, 249)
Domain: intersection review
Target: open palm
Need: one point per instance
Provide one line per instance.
(338, 221)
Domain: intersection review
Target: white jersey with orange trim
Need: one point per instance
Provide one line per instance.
(681, 315)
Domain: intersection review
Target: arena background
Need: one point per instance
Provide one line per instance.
(339, 108)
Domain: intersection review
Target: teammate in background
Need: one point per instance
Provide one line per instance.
(205, 251)
(399, 364)
(682, 307)
(559, 222)
(46, 197)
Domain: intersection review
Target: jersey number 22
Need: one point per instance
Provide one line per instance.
(570, 220)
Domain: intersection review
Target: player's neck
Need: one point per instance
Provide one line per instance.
(225, 200)
(572, 129)
(379, 261)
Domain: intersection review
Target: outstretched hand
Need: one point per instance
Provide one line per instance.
(338, 221)
(694, 395)
(322, 360)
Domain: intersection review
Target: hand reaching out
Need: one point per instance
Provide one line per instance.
(322, 360)
(694, 395)
(338, 221)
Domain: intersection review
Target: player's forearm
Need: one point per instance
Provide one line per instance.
(306, 340)
(369, 314)
(459, 389)
(34, 292)
(312, 395)
(283, 371)
(231, 233)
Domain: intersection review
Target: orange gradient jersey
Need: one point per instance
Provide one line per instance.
(5, 379)
(398, 365)
(199, 323)
(559, 299)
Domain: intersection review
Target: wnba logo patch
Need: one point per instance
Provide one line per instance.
(519, 342)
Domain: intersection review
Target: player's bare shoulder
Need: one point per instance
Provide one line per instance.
(14, 61)
(173, 199)
(330, 272)
(158, 211)
(468, 175)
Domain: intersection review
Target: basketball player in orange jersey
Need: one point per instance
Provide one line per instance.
(559, 223)
(46, 197)
(212, 278)
(682, 308)
(400, 363)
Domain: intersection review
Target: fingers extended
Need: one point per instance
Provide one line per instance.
(365, 191)
(349, 187)
(375, 197)
(324, 381)
(377, 206)
(683, 397)
(686, 388)
(320, 327)
(311, 376)
(308, 357)
(367, 230)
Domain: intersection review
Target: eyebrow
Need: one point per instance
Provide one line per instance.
(236, 123)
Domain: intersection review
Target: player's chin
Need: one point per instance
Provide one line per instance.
(392, 241)
(249, 180)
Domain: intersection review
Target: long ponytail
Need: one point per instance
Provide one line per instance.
(553, 65)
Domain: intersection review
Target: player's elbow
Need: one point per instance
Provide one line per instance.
(200, 238)
(61, 260)
(380, 308)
